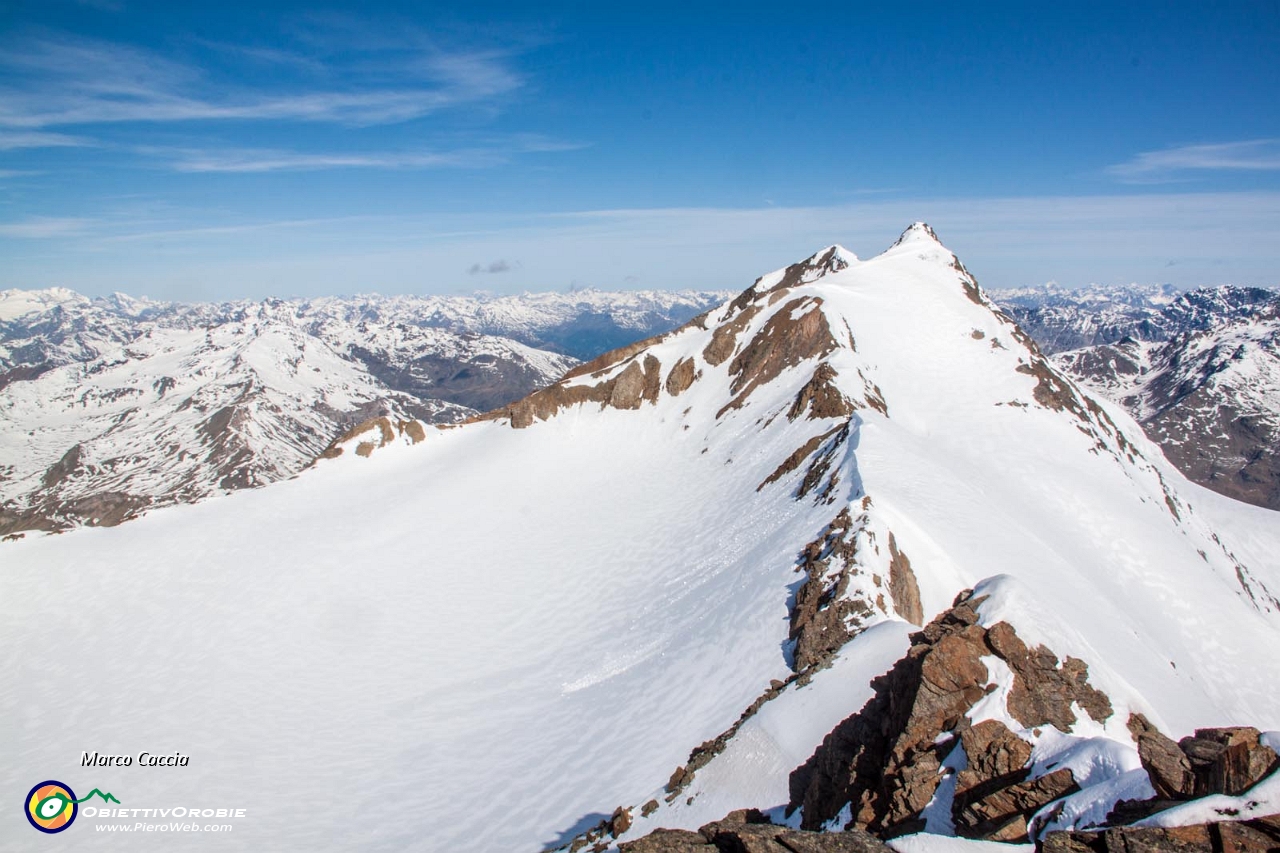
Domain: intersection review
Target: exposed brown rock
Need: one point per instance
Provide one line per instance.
(794, 275)
(1052, 390)
(821, 466)
(413, 429)
(820, 397)
(903, 586)
(681, 377)
(1042, 693)
(724, 340)
(886, 760)
(734, 820)
(998, 811)
(638, 382)
(599, 365)
(1166, 764)
(620, 822)
(24, 373)
(849, 841)
(541, 405)
(1072, 842)
(652, 378)
(967, 281)
(1243, 838)
(993, 752)
(1186, 839)
(797, 456)
(628, 387)
(1260, 835)
(783, 342)
(106, 509)
(386, 435)
(735, 835)
(668, 841)
(1227, 760)
(869, 759)
(1131, 811)
(63, 468)
(824, 617)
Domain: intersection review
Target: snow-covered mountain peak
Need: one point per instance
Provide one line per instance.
(744, 513)
(19, 303)
(917, 232)
(906, 335)
(831, 259)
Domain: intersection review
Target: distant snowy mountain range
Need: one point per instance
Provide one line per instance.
(109, 406)
(1199, 370)
(844, 562)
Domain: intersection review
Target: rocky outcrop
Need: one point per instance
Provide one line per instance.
(1255, 836)
(795, 333)
(1166, 765)
(820, 397)
(373, 435)
(785, 341)
(724, 340)
(681, 377)
(1228, 760)
(903, 586)
(824, 617)
(885, 763)
(1212, 761)
(878, 772)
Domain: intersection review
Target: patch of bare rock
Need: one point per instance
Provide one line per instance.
(880, 768)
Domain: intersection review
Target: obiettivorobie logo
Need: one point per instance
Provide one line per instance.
(52, 806)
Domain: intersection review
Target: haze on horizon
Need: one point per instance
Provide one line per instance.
(209, 151)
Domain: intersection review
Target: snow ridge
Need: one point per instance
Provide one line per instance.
(511, 627)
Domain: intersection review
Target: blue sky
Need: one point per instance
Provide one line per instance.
(214, 150)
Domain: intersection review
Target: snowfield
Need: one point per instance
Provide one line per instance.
(114, 405)
(489, 639)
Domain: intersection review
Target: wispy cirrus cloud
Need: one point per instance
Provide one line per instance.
(1172, 164)
(489, 153)
(11, 140)
(59, 81)
(45, 227)
(1211, 238)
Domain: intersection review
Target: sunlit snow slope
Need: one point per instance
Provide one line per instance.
(487, 639)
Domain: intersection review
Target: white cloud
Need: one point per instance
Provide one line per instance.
(490, 152)
(60, 81)
(45, 227)
(1173, 163)
(1214, 238)
(11, 140)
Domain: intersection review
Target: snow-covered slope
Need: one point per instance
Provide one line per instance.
(487, 637)
(1210, 394)
(113, 405)
(109, 407)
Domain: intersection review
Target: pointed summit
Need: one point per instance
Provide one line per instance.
(832, 259)
(917, 232)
